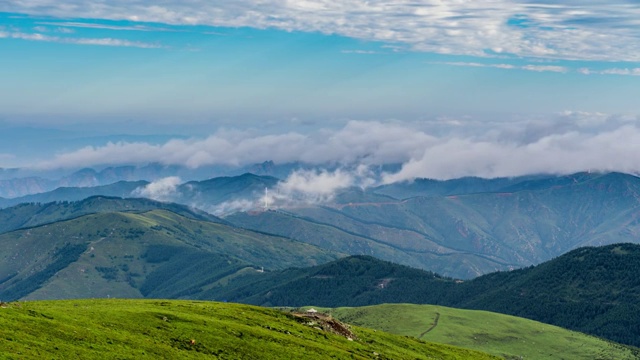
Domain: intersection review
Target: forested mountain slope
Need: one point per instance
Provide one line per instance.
(595, 290)
(471, 234)
(156, 253)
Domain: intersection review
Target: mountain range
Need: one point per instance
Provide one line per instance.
(17, 182)
(470, 233)
(460, 228)
(114, 247)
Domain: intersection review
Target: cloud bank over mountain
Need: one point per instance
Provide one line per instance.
(440, 149)
(162, 190)
(594, 30)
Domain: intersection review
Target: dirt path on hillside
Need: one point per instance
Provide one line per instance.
(433, 326)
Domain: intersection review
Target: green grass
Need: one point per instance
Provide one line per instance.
(502, 335)
(154, 329)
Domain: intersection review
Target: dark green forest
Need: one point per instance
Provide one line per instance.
(595, 290)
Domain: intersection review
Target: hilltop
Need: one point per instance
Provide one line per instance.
(151, 329)
(501, 335)
(34, 214)
(350, 281)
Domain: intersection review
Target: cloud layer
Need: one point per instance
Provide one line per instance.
(594, 30)
(440, 148)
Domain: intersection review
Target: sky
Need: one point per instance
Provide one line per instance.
(447, 88)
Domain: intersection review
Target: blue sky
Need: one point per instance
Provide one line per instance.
(471, 70)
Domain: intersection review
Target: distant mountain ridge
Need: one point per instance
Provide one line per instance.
(473, 185)
(460, 228)
(119, 189)
(17, 182)
(478, 232)
(29, 215)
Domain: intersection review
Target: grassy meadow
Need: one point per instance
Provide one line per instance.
(502, 335)
(163, 329)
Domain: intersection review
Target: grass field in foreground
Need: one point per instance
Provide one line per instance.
(155, 329)
(503, 335)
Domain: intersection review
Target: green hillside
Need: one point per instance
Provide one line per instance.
(502, 335)
(351, 281)
(156, 253)
(595, 290)
(152, 329)
(592, 290)
(35, 214)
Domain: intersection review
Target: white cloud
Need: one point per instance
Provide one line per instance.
(545, 68)
(558, 153)
(360, 52)
(594, 30)
(229, 207)
(585, 71)
(78, 41)
(65, 30)
(611, 71)
(313, 186)
(529, 67)
(357, 142)
(304, 187)
(111, 42)
(64, 26)
(625, 71)
(161, 190)
(567, 142)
